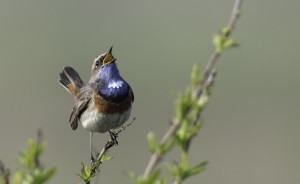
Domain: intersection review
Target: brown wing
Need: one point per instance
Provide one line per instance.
(80, 105)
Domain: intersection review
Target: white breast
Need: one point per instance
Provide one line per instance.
(93, 121)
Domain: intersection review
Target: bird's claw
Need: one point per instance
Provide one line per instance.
(113, 137)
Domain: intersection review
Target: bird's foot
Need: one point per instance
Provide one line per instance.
(113, 137)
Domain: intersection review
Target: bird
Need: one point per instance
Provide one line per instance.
(104, 103)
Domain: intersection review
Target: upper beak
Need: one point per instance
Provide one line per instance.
(109, 57)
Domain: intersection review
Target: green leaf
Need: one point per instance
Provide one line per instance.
(178, 109)
(18, 177)
(43, 177)
(196, 128)
(182, 132)
(133, 177)
(223, 41)
(197, 169)
(31, 171)
(226, 31)
(183, 103)
(167, 146)
(105, 157)
(94, 166)
(174, 169)
(228, 43)
(153, 177)
(187, 97)
(195, 76)
(27, 158)
(178, 140)
(86, 172)
(218, 41)
(184, 161)
(161, 181)
(49, 174)
(152, 142)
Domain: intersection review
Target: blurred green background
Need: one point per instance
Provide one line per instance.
(251, 131)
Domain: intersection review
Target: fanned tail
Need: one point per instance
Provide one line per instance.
(71, 80)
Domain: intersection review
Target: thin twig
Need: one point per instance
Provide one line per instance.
(235, 13)
(209, 71)
(155, 157)
(2, 168)
(4, 173)
(110, 143)
(39, 141)
(209, 82)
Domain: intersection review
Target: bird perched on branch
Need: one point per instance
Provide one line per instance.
(104, 103)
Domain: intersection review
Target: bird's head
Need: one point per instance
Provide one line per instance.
(100, 61)
(106, 79)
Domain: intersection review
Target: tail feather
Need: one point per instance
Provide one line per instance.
(74, 76)
(71, 80)
(64, 81)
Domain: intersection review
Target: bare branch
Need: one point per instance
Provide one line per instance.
(235, 13)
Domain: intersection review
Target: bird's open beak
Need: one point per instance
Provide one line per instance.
(109, 57)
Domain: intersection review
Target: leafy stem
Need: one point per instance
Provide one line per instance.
(186, 110)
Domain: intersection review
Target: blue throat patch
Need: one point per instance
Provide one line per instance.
(113, 87)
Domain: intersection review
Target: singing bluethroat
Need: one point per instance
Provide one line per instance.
(104, 103)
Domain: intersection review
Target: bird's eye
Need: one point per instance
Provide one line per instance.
(97, 63)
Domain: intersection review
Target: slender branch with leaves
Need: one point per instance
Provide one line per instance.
(187, 121)
(30, 170)
(88, 172)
